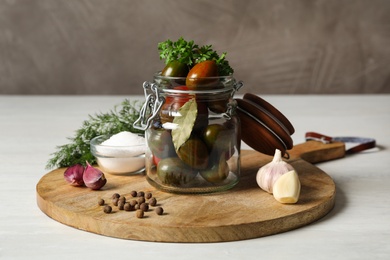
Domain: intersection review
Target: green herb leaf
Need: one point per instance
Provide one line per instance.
(185, 123)
(180, 50)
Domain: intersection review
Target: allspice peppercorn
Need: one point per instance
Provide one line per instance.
(101, 202)
(115, 195)
(122, 198)
(144, 207)
(128, 207)
(115, 201)
(153, 202)
(133, 203)
(133, 193)
(107, 209)
(140, 213)
(141, 200)
(148, 195)
(159, 210)
(121, 205)
(140, 194)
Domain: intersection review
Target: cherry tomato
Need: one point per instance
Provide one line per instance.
(194, 153)
(217, 173)
(217, 136)
(155, 159)
(175, 69)
(173, 171)
(160, 143)
(172, 104)
(220, 140)
(198, 76)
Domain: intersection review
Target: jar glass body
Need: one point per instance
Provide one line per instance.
(193, 140)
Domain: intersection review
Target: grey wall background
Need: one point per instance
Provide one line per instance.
(275, 46)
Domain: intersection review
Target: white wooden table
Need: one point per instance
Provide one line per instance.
(357, 228)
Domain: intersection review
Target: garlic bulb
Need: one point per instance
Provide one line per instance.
(287, 188)
(269, 173)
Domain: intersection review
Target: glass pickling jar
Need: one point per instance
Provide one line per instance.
(193, 135)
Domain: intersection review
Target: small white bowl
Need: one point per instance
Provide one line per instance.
(118, 160)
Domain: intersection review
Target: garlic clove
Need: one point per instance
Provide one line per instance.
(287, 188)
(94, 178)
(74, 175)
(269, 173)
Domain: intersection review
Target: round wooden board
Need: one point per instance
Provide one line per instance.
(243, 212)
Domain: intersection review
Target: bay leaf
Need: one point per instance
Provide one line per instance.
(185, 123)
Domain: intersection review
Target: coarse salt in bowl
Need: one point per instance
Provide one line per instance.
(119, 154)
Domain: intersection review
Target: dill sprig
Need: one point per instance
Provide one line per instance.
(112, 122)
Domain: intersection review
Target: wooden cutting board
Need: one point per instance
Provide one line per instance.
(243, 212)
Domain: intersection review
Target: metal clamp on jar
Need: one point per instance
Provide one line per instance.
(193, 136)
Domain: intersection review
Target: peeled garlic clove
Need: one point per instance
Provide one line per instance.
(94, 178)
(74, 175)
(269, 173)
(287, 188)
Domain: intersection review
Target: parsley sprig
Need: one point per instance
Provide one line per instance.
(190, 54)
(180, 50)
(113, 122)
